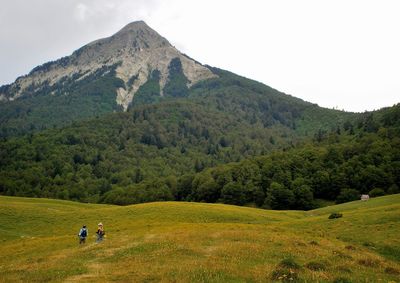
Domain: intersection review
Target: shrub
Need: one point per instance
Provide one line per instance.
(289, 263)
(287, 270)
(377, 192)
(335, 215)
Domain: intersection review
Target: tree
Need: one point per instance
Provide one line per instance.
(138, 175)
(223, 141)
(258, 196)
(377, 192)
(304, 198)
(222, 175)
(205, 188)
(278, 197)
(393, 189)
(347, 195)
(373, 176)
(233, 193)
(321, 184)
(198, 165)
(184, 187)
(116, 196)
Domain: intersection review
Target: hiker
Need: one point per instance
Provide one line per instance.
(100, 232)
(83, 234)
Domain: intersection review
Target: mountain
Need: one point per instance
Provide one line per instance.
(134, 52)
(102, 76)
(129, 119)
(134, 66)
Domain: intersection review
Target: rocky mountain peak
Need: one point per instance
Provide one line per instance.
(136, 50)
(138, 35)
(135, 26)
(138, 28)
(133, 38)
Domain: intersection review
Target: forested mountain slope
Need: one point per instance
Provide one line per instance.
(140, 155)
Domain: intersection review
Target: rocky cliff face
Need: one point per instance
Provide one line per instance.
(136, 50)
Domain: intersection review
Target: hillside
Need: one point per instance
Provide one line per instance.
(179, 149)
(193, 242)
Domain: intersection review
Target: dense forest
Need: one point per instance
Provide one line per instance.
(227, 139)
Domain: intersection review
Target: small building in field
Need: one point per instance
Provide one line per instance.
(364, 197)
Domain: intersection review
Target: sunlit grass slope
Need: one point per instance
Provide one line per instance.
(193, 242)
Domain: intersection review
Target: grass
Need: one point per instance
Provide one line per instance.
(195, 242)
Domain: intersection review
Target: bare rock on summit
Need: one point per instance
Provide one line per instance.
(136, 50)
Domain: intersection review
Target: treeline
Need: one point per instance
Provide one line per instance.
(293, 179)
(85, 160)
(141, 159)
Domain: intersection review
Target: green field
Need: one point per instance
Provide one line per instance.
(196, 242)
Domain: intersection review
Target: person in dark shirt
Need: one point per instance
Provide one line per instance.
(83, 233)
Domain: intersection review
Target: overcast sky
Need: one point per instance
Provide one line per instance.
(343, 53)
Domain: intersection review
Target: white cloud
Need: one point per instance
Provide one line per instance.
(81, 12)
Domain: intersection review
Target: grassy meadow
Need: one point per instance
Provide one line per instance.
(196, 242)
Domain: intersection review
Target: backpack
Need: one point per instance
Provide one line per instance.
(83, 233)
(100, 232)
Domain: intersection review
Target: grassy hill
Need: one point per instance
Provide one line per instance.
(195, 242)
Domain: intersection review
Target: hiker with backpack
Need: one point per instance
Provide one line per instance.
(100, 232)
(83, 233)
